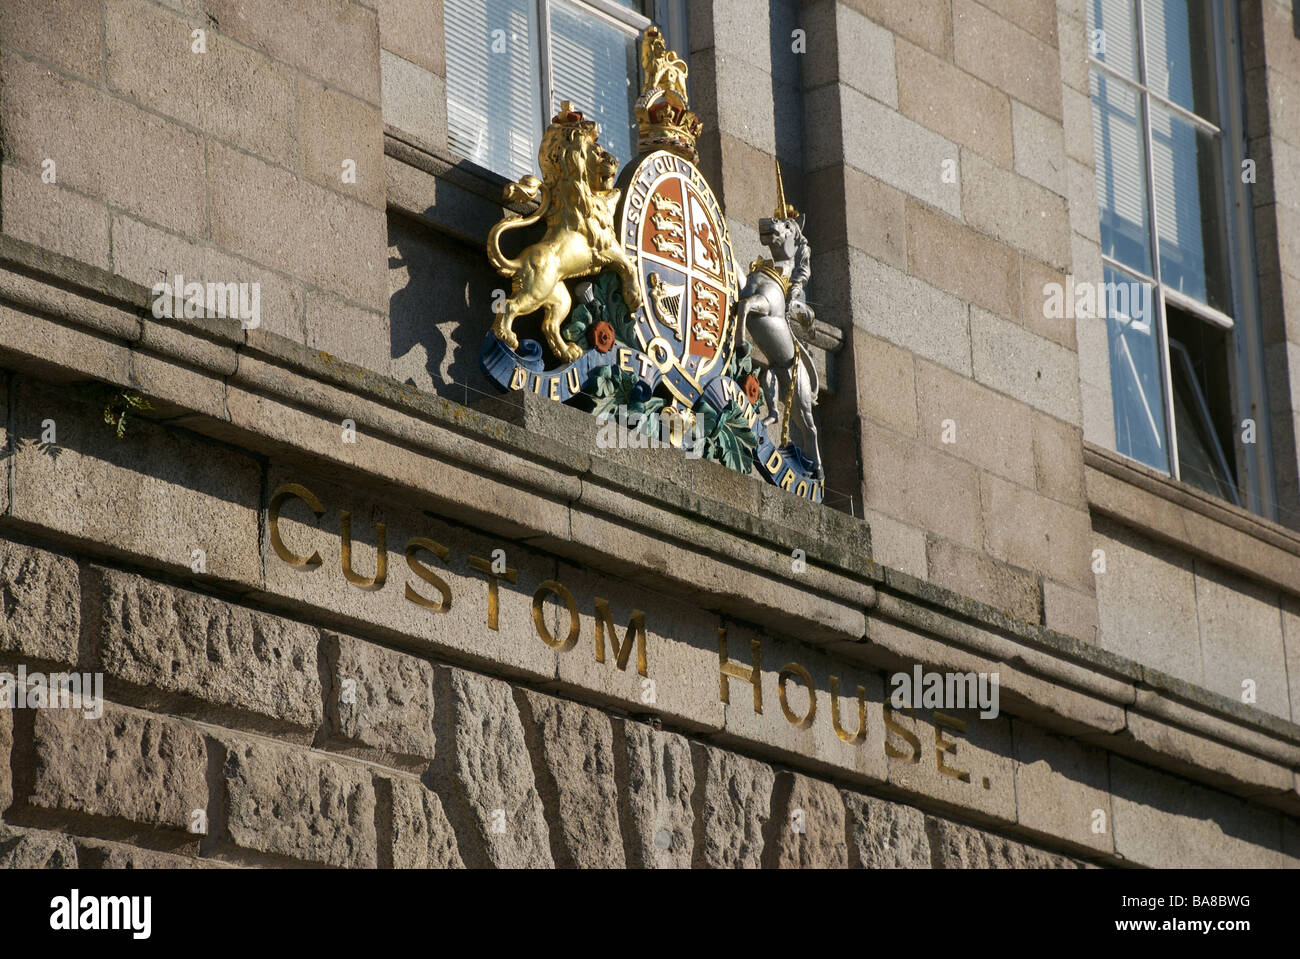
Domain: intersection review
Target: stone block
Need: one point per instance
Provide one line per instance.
(124, 766)
(229, 91)
(1076, 126)
(266, 214)
(910, 313)
(949, 101)
(414, 832)
(334, 40)
(103, 146)
(185, 494)
(1036, 16)
(484, 774)
(953, 257)
(885, 835)
(808, 825)
(1058, 460)
(148, 255)
(863, 56)
(412, 29)
(924, 488)
(987, 429)
(93, 854)
(36, 849)
(1069, 611)
(656, 799)
(1030, 531)
(40, 616)
(1015, 210)
(1241, 639)
(886, 381)
(876, 216)
(407, 602)
(808, 709)
(1060, 787)
(59, 352)
(1146, 603)
(1040, 148)
(954, 757)
(336, 130)
(6, 749)
(897, 545)
(1072, 47)
(1279, 41)
(167, 642)
(380, 700)
(414, 99)
(882, 143)
(1083, 201)
(65, 32)
(572, 748)
(1168, 823)
(295, 803)
(50, 216)
(748, 187)
(747, 102)
(1014, 592)
(956, 846)
(733, 806)
(927, 22)
(1004, 55)
(1024, 366)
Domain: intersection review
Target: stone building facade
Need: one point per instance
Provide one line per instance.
(352, 608)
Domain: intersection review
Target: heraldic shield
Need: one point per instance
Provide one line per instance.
(637, 287)
(673, 229)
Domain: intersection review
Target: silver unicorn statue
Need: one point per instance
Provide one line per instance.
(771, 306)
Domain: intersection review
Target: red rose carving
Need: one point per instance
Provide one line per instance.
(753, 392)
(602, 334)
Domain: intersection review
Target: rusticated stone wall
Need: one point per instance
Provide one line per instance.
(238, 737)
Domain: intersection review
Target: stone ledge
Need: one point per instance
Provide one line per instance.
(1182, 516)
(524, 470)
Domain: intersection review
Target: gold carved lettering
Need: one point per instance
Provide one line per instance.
(635, 630)
(304, 563)
(892, 751)
(730, 670)
(376, 582)
(428, 575)
(481, 565)
(787, 671)
(942, 745)
(539, 619)
(861, 734)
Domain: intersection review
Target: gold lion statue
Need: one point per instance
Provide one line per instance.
(664, 70)
(577, 199)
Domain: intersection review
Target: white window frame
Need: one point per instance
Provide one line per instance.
(1256, 463)
(629, 21)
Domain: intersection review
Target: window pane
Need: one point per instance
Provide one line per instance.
(1137, 389)
(594, 64)
(1118, 143)
(1116, 43)
(1200, 357)
(1189, 202)
(494, 100)
(1180, 54)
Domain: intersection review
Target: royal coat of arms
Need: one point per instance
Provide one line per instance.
(642, 303)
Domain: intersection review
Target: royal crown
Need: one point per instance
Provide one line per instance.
(662, 111)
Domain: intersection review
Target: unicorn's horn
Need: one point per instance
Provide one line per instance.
(780, 193)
